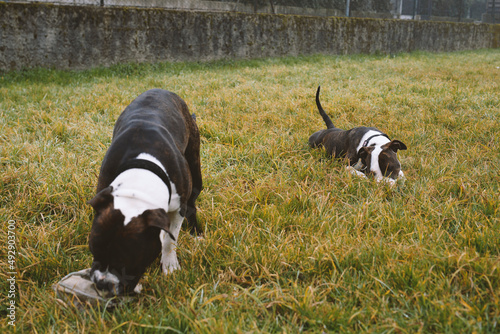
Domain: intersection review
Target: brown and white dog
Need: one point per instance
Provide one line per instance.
(368, 150)
(149, 181)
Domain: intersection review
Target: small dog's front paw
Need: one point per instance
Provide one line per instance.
(353, 171)
(402, 178)
(393, 182)
(386, 180)
(400, 181)
(358, 165)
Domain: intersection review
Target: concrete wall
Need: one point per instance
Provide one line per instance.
(68, 37)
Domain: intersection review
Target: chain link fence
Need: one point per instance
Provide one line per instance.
(449, 10)
(487, 11)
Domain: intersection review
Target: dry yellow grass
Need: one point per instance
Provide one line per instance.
(293, 243)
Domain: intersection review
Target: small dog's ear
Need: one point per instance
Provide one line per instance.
(159, 218)
(365, 151)
(102, 199)
(396, 145)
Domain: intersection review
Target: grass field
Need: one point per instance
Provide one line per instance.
(293, 243)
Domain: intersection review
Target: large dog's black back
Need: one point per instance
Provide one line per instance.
(158, 122)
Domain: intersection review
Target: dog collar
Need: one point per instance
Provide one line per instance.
(366, 142)
(150, 166)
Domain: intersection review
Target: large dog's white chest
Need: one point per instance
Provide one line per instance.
(137, 190)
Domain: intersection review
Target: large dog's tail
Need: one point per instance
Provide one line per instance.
(323, 114)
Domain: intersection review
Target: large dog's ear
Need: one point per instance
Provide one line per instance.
(396, 145)
(158, 218)
(364, 152)
(102, 199)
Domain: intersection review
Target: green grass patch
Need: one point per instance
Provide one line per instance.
(293, 243)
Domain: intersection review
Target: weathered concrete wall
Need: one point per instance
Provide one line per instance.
(67, 37)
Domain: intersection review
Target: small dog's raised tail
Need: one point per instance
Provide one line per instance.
(328, 121)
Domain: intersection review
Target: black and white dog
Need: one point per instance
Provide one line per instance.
(368, 150)
(149, 181)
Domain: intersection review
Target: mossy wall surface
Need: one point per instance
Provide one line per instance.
(80, 37)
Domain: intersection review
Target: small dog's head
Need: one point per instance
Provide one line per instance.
(121, 252)
(382, 161)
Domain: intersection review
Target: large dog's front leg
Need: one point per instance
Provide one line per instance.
(168, 251)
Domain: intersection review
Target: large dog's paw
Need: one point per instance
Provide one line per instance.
(169, 260)
(170, 263)
(138, 288)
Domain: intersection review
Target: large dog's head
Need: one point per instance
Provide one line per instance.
(122, 252)
(381, 160)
